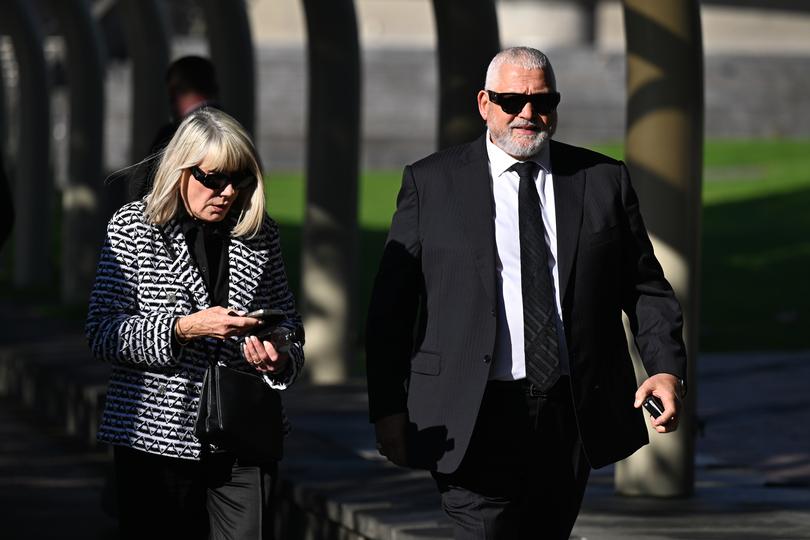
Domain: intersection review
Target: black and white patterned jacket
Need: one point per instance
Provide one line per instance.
(139, 291)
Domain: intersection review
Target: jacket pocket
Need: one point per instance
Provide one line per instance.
(426, 363)
(605, 235)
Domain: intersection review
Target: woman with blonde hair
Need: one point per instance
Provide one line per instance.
(178, 272)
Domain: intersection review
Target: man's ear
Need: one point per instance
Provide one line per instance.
(552, 120)
(483, 101)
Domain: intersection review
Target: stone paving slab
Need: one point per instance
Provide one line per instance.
(50, 489)
(735, 494)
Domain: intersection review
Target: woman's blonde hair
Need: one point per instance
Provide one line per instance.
(210, 134)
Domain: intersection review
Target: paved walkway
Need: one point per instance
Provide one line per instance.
(50, 487)
(753, 476)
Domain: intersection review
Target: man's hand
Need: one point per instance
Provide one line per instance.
(391, 434)
(665, 387)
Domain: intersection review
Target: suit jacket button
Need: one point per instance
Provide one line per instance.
(487, 358)
(492, 313)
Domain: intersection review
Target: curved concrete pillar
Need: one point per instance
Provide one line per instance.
(467, 33)
(32, 183)
(3, 117)
(148, 45)
(82, 226)
(329, 251)
(6, 206)
(231, 45)
(665, 155)
(6, 201)
(574, 23)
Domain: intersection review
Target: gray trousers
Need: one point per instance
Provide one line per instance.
(217, 497)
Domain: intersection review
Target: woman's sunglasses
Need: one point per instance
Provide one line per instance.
(218, 180)
(514, 103)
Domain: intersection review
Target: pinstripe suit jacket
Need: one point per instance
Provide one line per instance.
(139, 291)
(432, 321)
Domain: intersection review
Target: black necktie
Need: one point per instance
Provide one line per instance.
(541, 344)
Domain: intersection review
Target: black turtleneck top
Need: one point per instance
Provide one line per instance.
(208, 247)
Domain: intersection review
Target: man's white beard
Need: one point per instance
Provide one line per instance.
(520, 147)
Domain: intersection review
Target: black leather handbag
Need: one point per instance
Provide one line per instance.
(239, 412)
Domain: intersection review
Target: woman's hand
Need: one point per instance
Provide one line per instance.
(215, 322)
(263, 356)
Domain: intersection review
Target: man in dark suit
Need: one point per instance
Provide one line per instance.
(496, 352)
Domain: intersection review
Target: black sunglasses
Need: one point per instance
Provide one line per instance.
(218, 180)
(514, 103)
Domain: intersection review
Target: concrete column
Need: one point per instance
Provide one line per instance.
(467, 34)
(82, 224)
(32, 183)
(231, 46)
(148, 45)
(6, 206)
(6, 201)
(3, 117)
(329, 251)
(586, 27)
(665, 157)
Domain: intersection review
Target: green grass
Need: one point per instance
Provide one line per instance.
(377, 192)
(377, 201)
(755, 245)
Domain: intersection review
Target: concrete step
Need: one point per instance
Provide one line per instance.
(57, 379)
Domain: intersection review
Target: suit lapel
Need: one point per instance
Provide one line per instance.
(569, 189)
(473, 187)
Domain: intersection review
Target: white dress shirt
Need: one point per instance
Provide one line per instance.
(509, 362)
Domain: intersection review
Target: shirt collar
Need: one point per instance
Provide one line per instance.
(500, 161)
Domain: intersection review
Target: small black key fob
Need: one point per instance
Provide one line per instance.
(654, 406)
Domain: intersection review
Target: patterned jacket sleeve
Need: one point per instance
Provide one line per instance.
(116, 329)
(282, 298)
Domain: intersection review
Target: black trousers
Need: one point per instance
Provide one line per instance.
(524, 473)
(217, 497)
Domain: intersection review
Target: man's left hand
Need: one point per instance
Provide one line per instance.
(665, 387)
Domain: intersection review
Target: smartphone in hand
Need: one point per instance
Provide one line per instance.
(270, 317)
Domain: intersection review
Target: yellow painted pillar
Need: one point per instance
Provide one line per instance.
(330, 236)
(664, 153)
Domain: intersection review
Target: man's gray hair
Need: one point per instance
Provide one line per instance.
(525, 57)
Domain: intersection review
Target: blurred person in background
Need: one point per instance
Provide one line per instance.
(177, 272)
(191, 84)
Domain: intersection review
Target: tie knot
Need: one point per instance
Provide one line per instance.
(526, 169)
